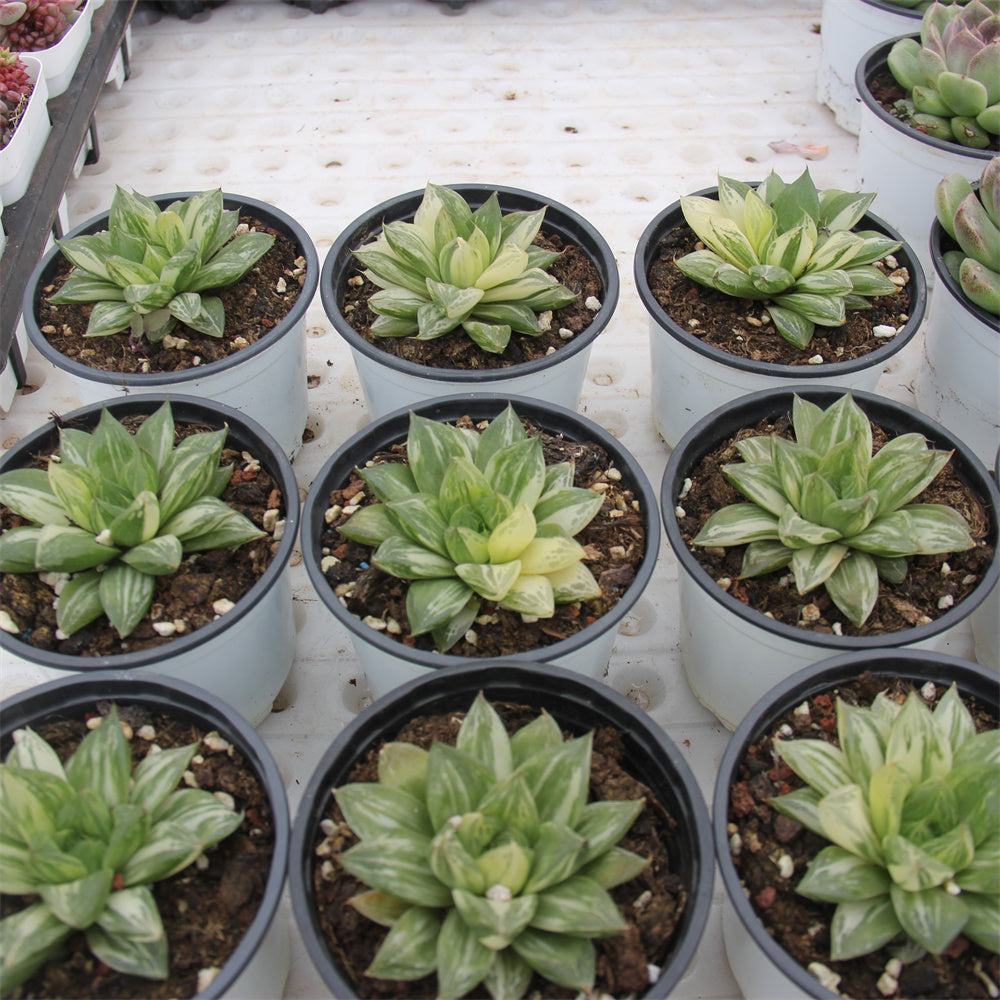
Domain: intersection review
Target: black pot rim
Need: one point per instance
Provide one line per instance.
(274, 216)
(875, 60)
(73, 693)
(392, 428)
(255, 438)
(937, 238)
(894, 8)
(706, 434)
(672, 216)
(558, 216)
(561, 691)
(916, 665)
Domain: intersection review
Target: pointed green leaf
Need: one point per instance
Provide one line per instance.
(933, 917)
(455, 783)
(838, 876)
(847, 822)
(375, 809)
(853, 587)
(409, 950)
(861, 927)
(398, 866)
(482, 735)
(565, 960)
(102, 761)
(28, 939)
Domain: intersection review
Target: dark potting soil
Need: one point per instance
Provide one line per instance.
(185, 599)
(761, 838)
(615, 543)
(205, 911)
(573, 268)
(932, 585)
(652, 903)
(254, 305)
(742, 327)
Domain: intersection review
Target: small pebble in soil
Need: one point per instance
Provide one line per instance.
(165, 629)
(378, 624)
(147, 733)
(816, 359)
(222, 605)
(825, 975)
(786, 866)
(680, 511)
(887, 985)
(724, 582)
(545, 320)
(206, 977)
(592, 302)
(565, 333)
(884, 331)
(8, 624)
(929, 691)
(810, 613)
(946, 601)
(226, 799)
(215, 742)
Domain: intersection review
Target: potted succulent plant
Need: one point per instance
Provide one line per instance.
(135, 787)
(55, 31)
(129, 551)
(813, 543)
(452, 289)
(829, 301)
(24, 122)
(487, 540)
(911, 136)
(827, 815)
(849, 30)
(959, 379)
(518, 901)
(166, 279)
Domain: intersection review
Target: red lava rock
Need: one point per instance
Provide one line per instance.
(824, 702)
(785, 828)
(766, 897)
(741, 800)
(957, 947)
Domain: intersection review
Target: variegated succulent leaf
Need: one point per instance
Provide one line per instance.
(148, 271)
(971, 216)
(791, 246)
(88, 837)
(952, 74)
(486, 860)
(832, 511)
(454, 268)
(114, 511)
(476, 517)
(909, 799)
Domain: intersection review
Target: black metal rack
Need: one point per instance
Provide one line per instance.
(32, 217)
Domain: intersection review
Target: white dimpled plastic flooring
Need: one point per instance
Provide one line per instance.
(613, 107)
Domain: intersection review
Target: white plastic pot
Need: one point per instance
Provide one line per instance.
(259, 965)
(732, 652)
(19, 156)
(849, 29)
(902, 164)
(389, 382)
(245, 655)
(59, 61)
(691, 378)
(388, 663)
(958, 382)
(251, 380)
(761, 967)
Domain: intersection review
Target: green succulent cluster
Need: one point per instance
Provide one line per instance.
(911, 803)
(791, 246)
(88, 838)
(837, 515)
(148, 271)
(972, 219)
(952, 74)
(453, 267)
(486, 860)
(474, 517)
(115, 511)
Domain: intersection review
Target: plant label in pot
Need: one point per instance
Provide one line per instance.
(486, 539)
(826, 819)
(129, 546)
(767, 285)
(205, 293)
(810, 520)
(533, 752)
(469, 289)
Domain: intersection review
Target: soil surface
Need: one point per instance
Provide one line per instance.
(205, 912)
(651, 904)
(932, 585)
(615, 543)
(254, 305)
(742, 327)
(573, 268)
(183, 599)
(801, 926)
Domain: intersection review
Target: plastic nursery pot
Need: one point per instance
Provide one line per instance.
(959, 378)
(246, 380)
(903, 164)
(59, 61)
(578, 704)
(19, 156)
(259, 964)
(731, 651)
(244, 656)
(388, 663)
(690, 378)
(850, 28)
(762, 968)
(389, 382)
(986, 618)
